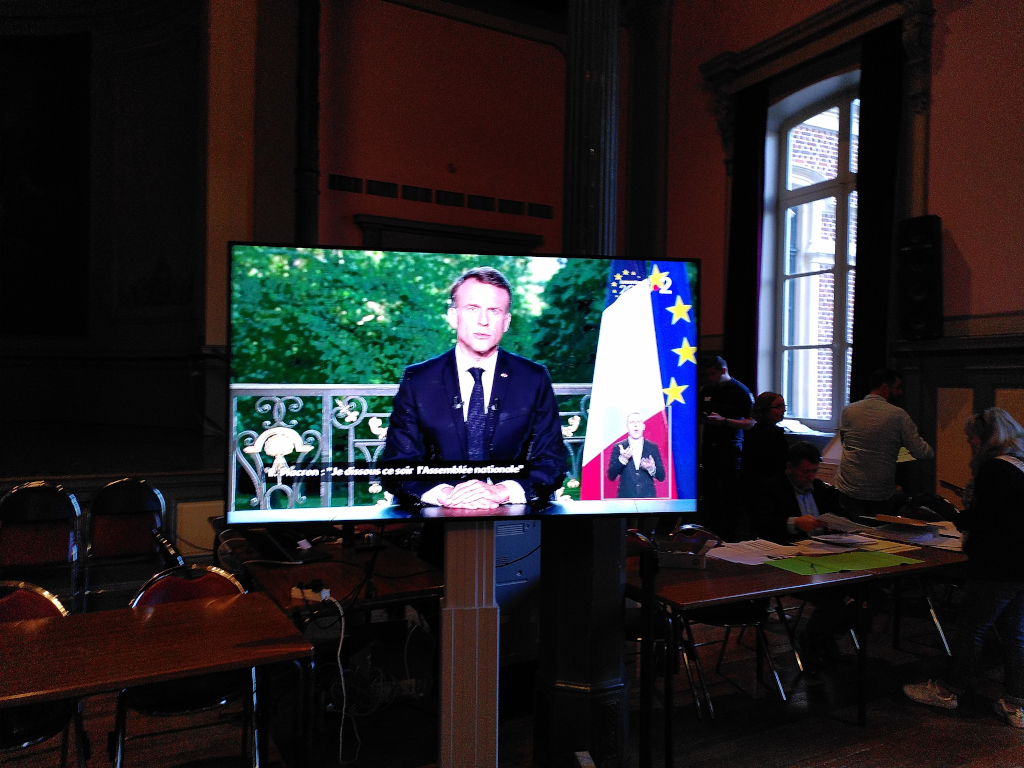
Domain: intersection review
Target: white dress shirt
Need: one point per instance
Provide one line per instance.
(462, 364)
(808, 506)
(637, 446)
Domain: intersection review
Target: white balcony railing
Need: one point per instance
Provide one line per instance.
(302, 426)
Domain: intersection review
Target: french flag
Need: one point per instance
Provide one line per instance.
(646, 363)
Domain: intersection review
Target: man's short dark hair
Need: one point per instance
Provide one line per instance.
(715, 362)
(883, 376)
(803, 451)
(485, 275)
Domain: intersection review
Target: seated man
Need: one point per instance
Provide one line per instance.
(788, 510)
(790, 503)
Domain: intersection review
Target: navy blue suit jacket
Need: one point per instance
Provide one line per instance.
(777, 503)
(635, 483)
(523, 426)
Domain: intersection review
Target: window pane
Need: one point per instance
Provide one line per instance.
(807, 383)
(851, 237)
(850, 284)
(808, 310)
(810, 237)
(813, 150)
(854, 134)
(849, 364)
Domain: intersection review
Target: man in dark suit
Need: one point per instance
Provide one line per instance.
(787, 511)
(636, 462)
(477, 403)
(790, 503)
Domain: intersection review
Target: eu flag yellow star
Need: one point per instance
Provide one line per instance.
(687, 353)
(675, 392)
(660, 281)
(680, 311)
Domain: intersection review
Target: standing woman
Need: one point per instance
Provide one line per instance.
(764, 450)
(993, 522)
(764, 446)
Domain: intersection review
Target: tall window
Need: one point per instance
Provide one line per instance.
(815, 249)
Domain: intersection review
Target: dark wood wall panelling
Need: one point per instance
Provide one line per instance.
(980, 364)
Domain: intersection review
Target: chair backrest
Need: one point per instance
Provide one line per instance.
(39, 525)
(122, 519)
(188, 582)
(693, 538)
(929, 508)
(20, 600)
(637, 544)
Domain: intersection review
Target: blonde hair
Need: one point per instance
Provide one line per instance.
(999, 433)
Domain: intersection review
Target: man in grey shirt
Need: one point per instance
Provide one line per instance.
(872, 432)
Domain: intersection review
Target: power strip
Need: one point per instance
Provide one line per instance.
(310, 595)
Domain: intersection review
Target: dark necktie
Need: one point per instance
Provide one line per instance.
(476, 417)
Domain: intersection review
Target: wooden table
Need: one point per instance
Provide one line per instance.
(722, 582)
(89, 653)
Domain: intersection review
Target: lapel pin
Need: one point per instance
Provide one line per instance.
(504, 375)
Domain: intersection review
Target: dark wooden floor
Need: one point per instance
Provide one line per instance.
(815, 728)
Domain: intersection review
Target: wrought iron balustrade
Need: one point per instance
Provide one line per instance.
(304, 427)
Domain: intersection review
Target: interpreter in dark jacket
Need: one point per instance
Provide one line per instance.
(636, 462)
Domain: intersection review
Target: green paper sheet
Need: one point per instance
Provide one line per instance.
(847, 561)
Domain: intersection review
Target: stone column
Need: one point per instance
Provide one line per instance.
(591, 128)
(581, 698)
(650, 38)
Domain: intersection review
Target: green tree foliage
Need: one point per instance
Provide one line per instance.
(314, 316)
(565, 334)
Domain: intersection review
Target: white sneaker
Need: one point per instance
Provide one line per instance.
(932, 694)
(1011, 713)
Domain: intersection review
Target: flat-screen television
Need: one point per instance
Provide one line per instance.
(354, 378)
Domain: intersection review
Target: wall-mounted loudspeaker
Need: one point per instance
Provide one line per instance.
(919, 277)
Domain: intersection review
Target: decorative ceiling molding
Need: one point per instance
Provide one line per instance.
(824, 31)
(816, 36)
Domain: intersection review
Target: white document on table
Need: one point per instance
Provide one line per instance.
(753, 552)
(813, 547)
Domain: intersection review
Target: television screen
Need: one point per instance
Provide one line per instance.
(363, 388)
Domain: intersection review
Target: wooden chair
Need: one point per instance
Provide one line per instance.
(125, 532)
(196, 694)
(25, 726)
(40, 534)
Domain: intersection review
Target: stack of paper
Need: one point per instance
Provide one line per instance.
(843, 539)
(753, 552)
(837, 523)
(812, 547)
(883, 545)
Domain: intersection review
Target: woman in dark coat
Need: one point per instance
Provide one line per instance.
(764, 449)
(764, 444)
(993, 522)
